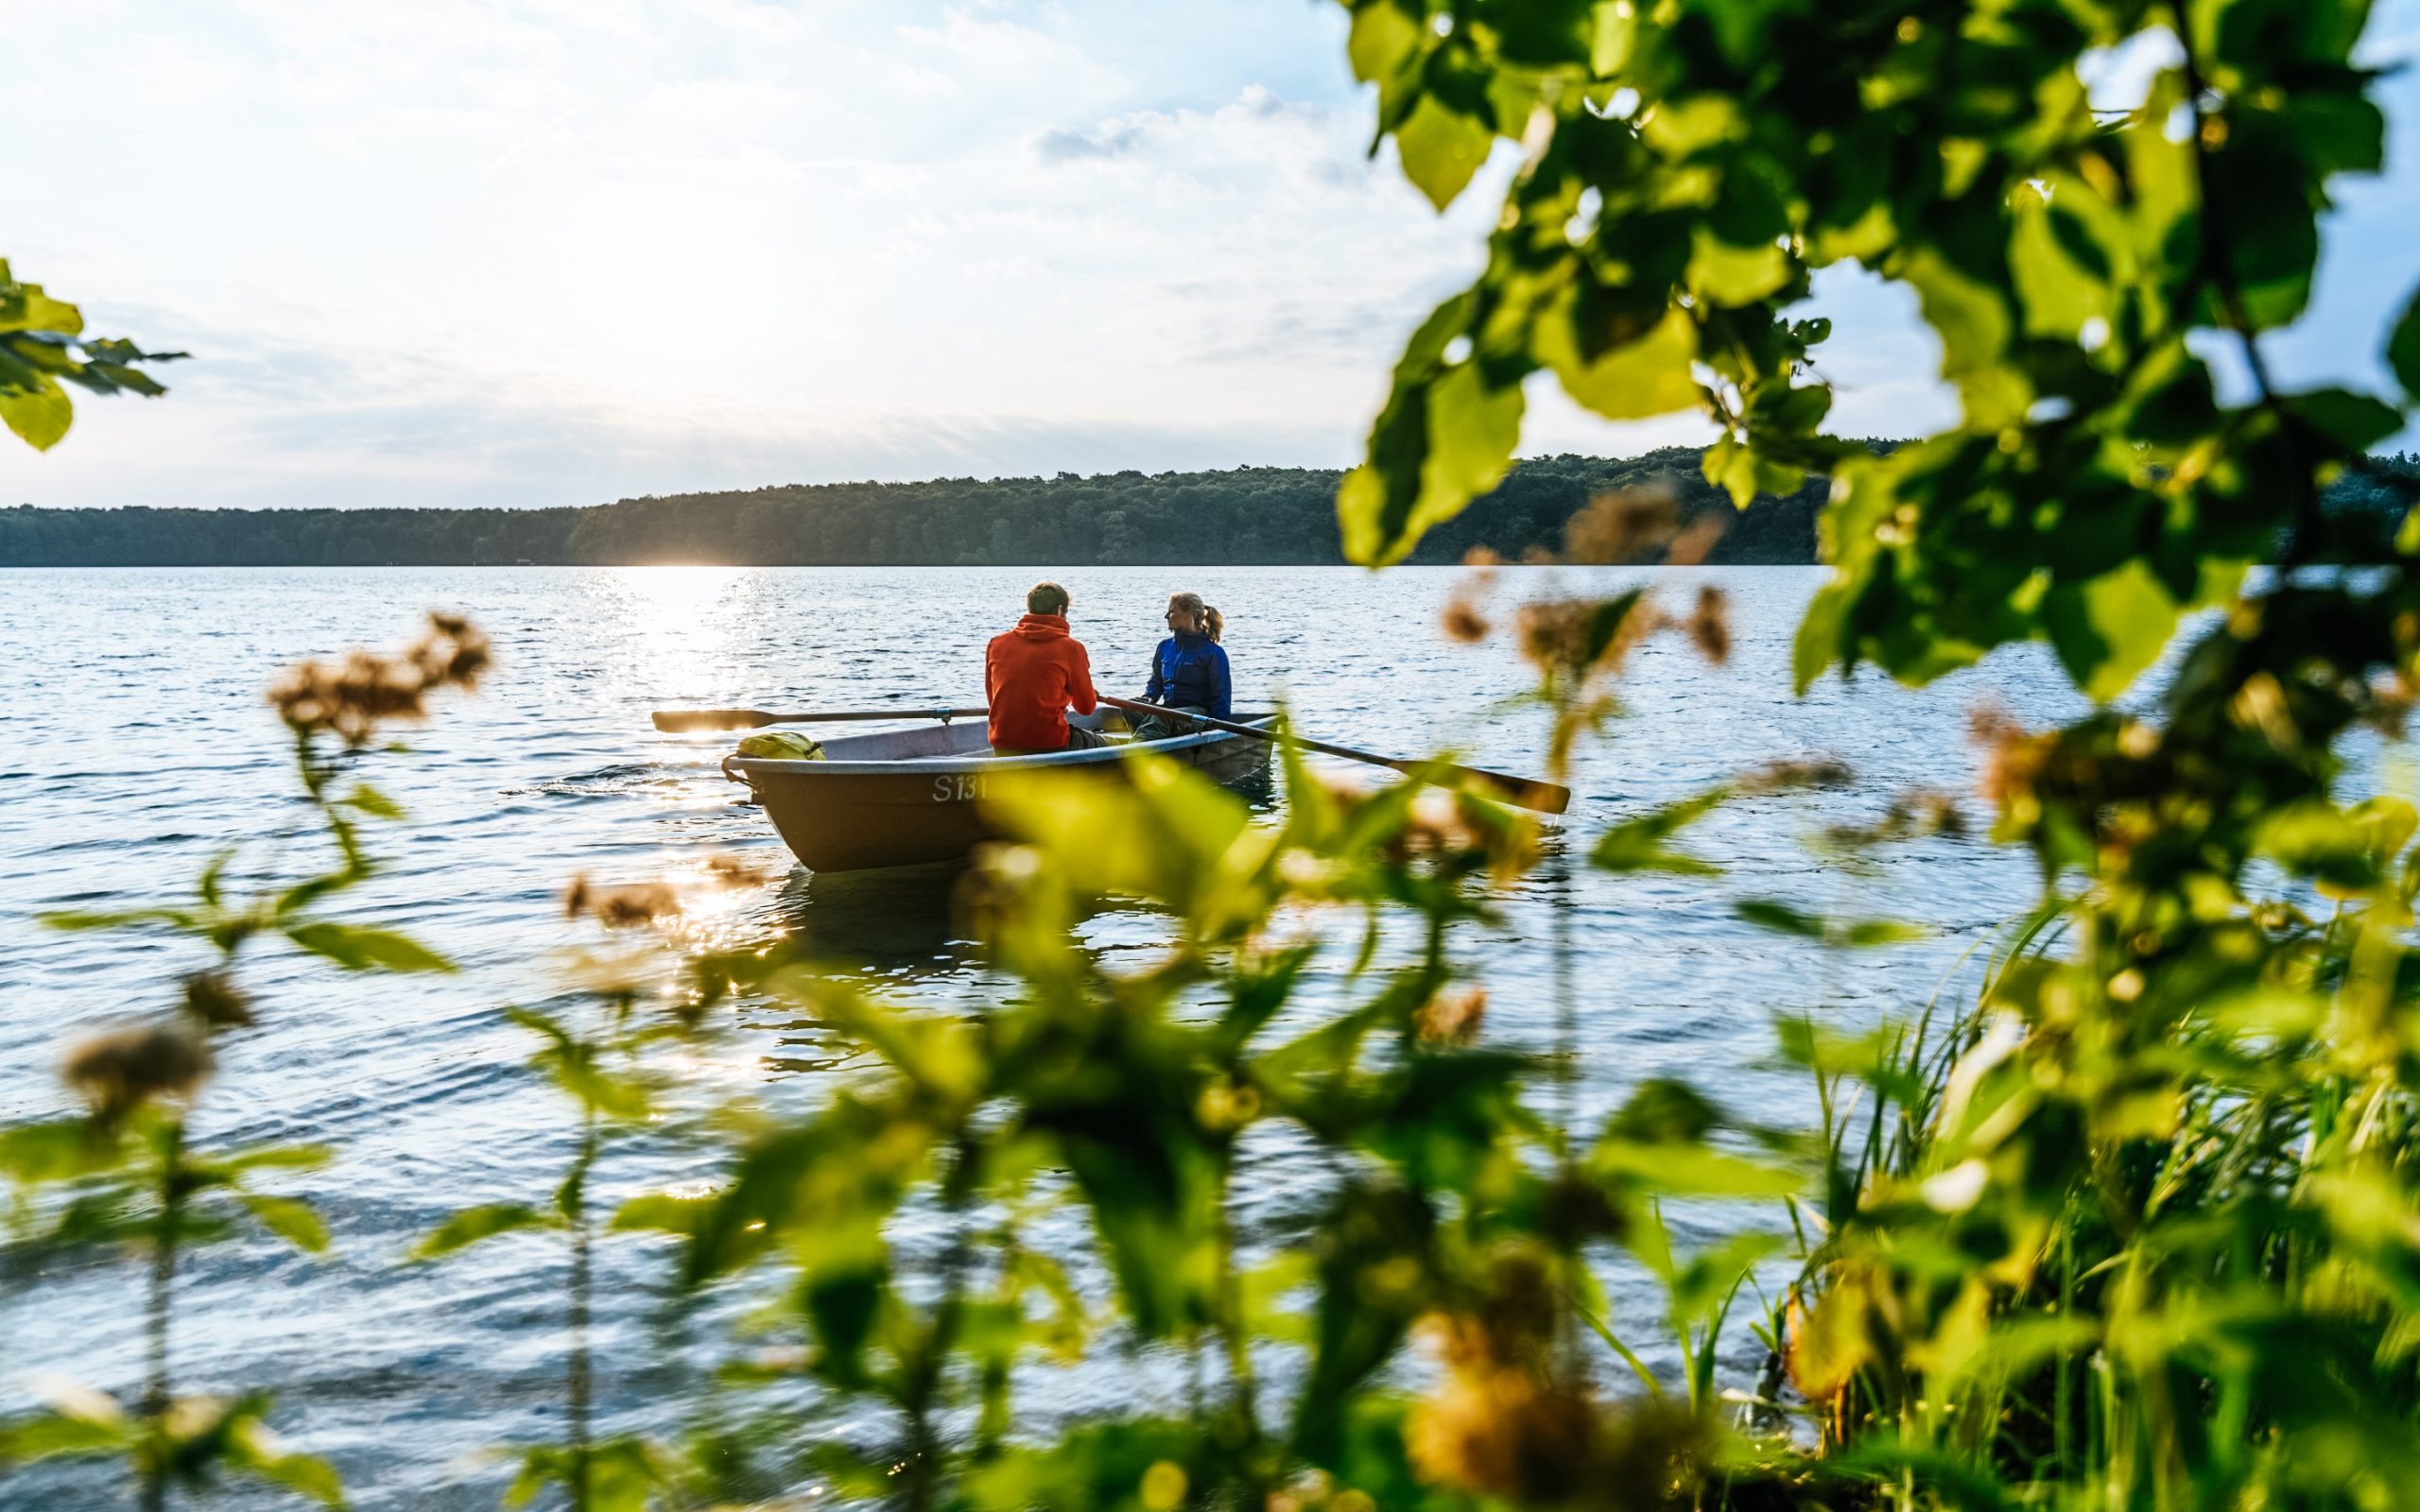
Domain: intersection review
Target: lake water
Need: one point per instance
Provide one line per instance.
(138, 744)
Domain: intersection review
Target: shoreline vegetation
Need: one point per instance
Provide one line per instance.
(1247, 517)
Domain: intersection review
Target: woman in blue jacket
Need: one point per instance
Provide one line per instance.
(1189, 670)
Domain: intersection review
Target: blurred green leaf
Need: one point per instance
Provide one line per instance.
(373, 802)
(2110, 629)
(472, 1224)
(1664, 1110)
(39, 414)
(2403, 350)
(254, 1451)
(1442, 148)
(77, 921)
(289, 1218)
(1704, 1284)
(276, 1157)
(86, 1424)
(1767, 913)
(1693, 1170)
(55, 1150)
(1447, 432)
(1639, 845)
(2353, 421)
(358, 947)
(663, 1213)
(1647, 376)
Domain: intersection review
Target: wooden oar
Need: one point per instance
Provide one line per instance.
(674, 721)
(1526, 792)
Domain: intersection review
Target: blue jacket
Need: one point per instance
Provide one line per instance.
(1189, 672)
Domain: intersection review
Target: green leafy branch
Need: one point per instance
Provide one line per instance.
(42, 346)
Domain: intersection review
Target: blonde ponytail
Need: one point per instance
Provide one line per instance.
(1211, 621)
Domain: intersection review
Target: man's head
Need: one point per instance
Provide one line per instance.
(1047, 598)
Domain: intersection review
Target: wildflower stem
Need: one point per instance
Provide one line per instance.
(580, 1387)
(164, 1274)
(1231, 1324)
(925, 1448)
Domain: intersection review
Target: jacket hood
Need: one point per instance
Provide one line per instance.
(1043, 627)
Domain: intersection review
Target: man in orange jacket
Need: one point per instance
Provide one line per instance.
(1033, 674)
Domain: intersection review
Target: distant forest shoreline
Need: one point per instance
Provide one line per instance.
(1251, 516)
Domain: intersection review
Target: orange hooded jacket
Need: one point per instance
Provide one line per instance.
(1031, 677)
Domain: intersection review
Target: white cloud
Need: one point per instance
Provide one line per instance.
(545, 252)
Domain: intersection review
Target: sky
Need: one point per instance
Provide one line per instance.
(529, 252)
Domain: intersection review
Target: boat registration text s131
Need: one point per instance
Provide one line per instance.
(957, 789)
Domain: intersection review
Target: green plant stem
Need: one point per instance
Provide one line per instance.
(1229, 1307)
(923, 1388)
(164, 1274)
(927, 1369)
(581, 1385)
(2217, 236)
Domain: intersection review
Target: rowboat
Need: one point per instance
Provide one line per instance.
(899, 798)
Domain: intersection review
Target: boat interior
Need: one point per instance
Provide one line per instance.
(966, 737)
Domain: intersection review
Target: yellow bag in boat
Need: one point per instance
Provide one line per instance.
(781, 745)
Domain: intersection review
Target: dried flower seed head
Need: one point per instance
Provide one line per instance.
(1537, 557)
(1504, 1432)
(216, 1002)
(1937, 813)
(1576, 1211)
(2387, 705)
(1709, 624)
(1989, 724)
(1621, 526)
(1341, 788)
(1226, 1106)
(352, 698)
(1913, 815)
(1437, 824)
(452, 654)
(1696, 540)
(1549, 633)
(1811, 771)
(2012, 759)
(1463, 622)
(1581, 638)
(1451, 1017)
(1481, 557)
(2262, 704)
(620, 906)
(1521, 1309)
(1654, 1442)
(735, 871)
(119, 1072)
(349, 698)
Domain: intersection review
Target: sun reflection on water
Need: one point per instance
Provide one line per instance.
(678, 621)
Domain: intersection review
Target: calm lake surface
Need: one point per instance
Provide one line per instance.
(138, 744)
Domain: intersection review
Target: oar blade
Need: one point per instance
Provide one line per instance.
(1521, 792)
(682, 721)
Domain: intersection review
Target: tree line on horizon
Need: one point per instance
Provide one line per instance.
(1247, 516)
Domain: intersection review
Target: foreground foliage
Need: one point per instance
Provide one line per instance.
(2138, 1232)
